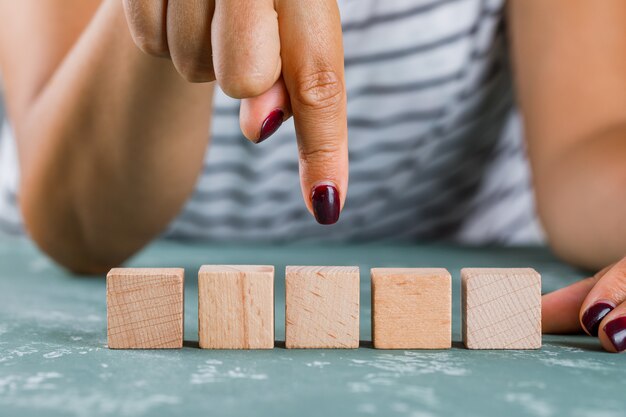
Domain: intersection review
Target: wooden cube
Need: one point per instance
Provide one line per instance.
(322, 307)
(411, 308)
(236, 307)
(145, 308)
(501, 308)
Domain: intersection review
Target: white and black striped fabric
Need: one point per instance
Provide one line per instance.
(435, 142)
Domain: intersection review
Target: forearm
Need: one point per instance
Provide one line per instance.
(581, 198)
(110, 147)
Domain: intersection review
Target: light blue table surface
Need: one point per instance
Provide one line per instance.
(54, 360)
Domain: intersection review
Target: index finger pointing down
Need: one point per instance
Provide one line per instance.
(312, 55)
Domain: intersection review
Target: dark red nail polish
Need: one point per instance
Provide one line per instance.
(271, 124)
(616, 331)
(325, 199)
(594, 315)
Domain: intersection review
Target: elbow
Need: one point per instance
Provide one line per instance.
(64, 241)
(64, 217)
(573, 254)
(566, 239)
(73, 255)
(580, 238)
(585, 249)
(580, 199)
(83, 264)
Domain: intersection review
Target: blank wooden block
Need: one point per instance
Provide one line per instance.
(145, 308)
(322, 307)
(501, 308)
(236, 307)
(411, 308)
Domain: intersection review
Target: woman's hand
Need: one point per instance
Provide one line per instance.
(280, 57)
(596, 305)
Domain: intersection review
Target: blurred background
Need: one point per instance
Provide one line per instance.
(1, 103)
(6, 227)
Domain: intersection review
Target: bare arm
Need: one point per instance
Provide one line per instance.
(570, 63)
(110, 140)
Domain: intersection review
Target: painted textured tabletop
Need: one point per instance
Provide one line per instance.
(54, 360)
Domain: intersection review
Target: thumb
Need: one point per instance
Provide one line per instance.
(261, 116)
(560, 309)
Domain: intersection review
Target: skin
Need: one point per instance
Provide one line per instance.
(571, 78)
(111, 100)
(91, 112)
(100, 122)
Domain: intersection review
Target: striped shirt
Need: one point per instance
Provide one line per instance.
(436, 150)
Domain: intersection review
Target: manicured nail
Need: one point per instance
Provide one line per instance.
(616, 331)
(271, 124)
(594, 315)
(325, 199)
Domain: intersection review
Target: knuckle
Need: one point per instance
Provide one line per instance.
(319, 90)
(151, 45)
(238, 85)
(323, 153)
(619, 289)
(146, 28)
(603, 271)
(194, 71)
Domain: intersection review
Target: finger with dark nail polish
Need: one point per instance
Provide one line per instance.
(325, 200)
(616, 332)
(271, 124)
(593, 316)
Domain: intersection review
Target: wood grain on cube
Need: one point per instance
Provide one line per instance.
(145, 308)
(501, 308)
(411, 308)
(322, 307)
(236, 307)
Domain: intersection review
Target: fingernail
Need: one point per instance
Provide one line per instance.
(271, 124)
(594, 315)
(616, 331)
(325, 199)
